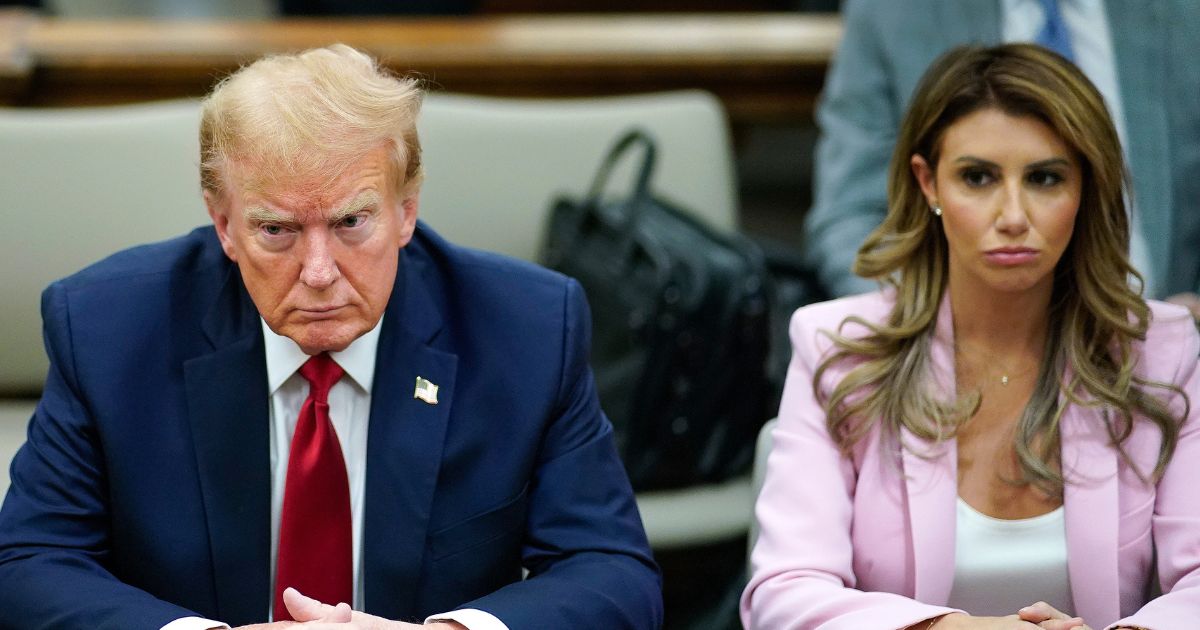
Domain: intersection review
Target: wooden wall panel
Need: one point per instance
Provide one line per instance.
(766, 67)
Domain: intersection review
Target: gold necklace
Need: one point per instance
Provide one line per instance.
(1005, 377)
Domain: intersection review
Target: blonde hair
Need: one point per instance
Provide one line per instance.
(1095, 315)
(304, 118)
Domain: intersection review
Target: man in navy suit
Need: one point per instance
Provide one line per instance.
(160, 482)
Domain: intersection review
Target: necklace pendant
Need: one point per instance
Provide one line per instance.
(1004, 379)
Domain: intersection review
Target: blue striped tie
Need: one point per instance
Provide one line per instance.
(1054, 33)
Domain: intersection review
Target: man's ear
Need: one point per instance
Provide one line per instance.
(408, 217)
(218, 211)
(926, 179)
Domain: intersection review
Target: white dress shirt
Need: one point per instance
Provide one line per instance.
(350, 411)
(1091, 45)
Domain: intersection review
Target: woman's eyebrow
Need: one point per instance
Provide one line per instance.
(1058, 161)
(970, 159)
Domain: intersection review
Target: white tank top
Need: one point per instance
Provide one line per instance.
(1001, 566)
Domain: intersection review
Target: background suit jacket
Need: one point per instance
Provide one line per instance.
(143, 494)
(887, 47)
(866, 542)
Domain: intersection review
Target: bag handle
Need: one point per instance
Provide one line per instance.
(623, 145)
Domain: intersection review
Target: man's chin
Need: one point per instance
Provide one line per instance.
(315, 339)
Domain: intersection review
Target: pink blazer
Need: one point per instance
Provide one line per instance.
(867, 542)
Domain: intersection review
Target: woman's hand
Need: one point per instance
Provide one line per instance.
(1049, 618)
(1039, 616)
(959, 621)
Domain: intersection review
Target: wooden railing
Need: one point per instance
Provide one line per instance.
(765, 67)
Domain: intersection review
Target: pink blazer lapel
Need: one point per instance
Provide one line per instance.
(1092, 516)
(931, 481)
(932, 488)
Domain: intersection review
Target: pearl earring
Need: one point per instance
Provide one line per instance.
(937, 210)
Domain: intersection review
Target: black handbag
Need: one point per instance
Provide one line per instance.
(680, 327)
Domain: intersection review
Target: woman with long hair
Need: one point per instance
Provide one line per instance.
(1001, 437)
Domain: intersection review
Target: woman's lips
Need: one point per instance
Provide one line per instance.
(1011, 256)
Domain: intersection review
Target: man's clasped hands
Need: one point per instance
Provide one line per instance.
(311, 614)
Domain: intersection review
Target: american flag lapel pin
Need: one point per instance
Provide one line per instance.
(425, 391)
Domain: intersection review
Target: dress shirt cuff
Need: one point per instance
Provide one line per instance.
(196, 623)
(471, 618)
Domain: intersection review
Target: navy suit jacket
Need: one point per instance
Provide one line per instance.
(143, 493)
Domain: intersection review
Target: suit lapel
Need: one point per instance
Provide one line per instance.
(930, 477)
(1092, 513)
(1140, 65)
(228, 411)
(404, 446)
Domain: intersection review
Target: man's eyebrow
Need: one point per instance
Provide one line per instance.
(362, 201)
(260, 214)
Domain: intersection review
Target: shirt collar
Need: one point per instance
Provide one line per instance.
(284, 357)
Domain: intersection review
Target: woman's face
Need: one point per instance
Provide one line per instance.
(1009, 189)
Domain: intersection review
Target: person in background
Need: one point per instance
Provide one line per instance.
(1139, 55)
(1005, 436)
(316, 409)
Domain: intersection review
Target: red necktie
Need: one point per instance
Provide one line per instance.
(315, 548)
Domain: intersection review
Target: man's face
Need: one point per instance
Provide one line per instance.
(318, 261)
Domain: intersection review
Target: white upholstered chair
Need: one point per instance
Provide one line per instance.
(493, 167)
(758, 475)
(78, 184)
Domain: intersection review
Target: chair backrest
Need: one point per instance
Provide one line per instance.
(79, 184)
(494, 165)
(759, 475)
